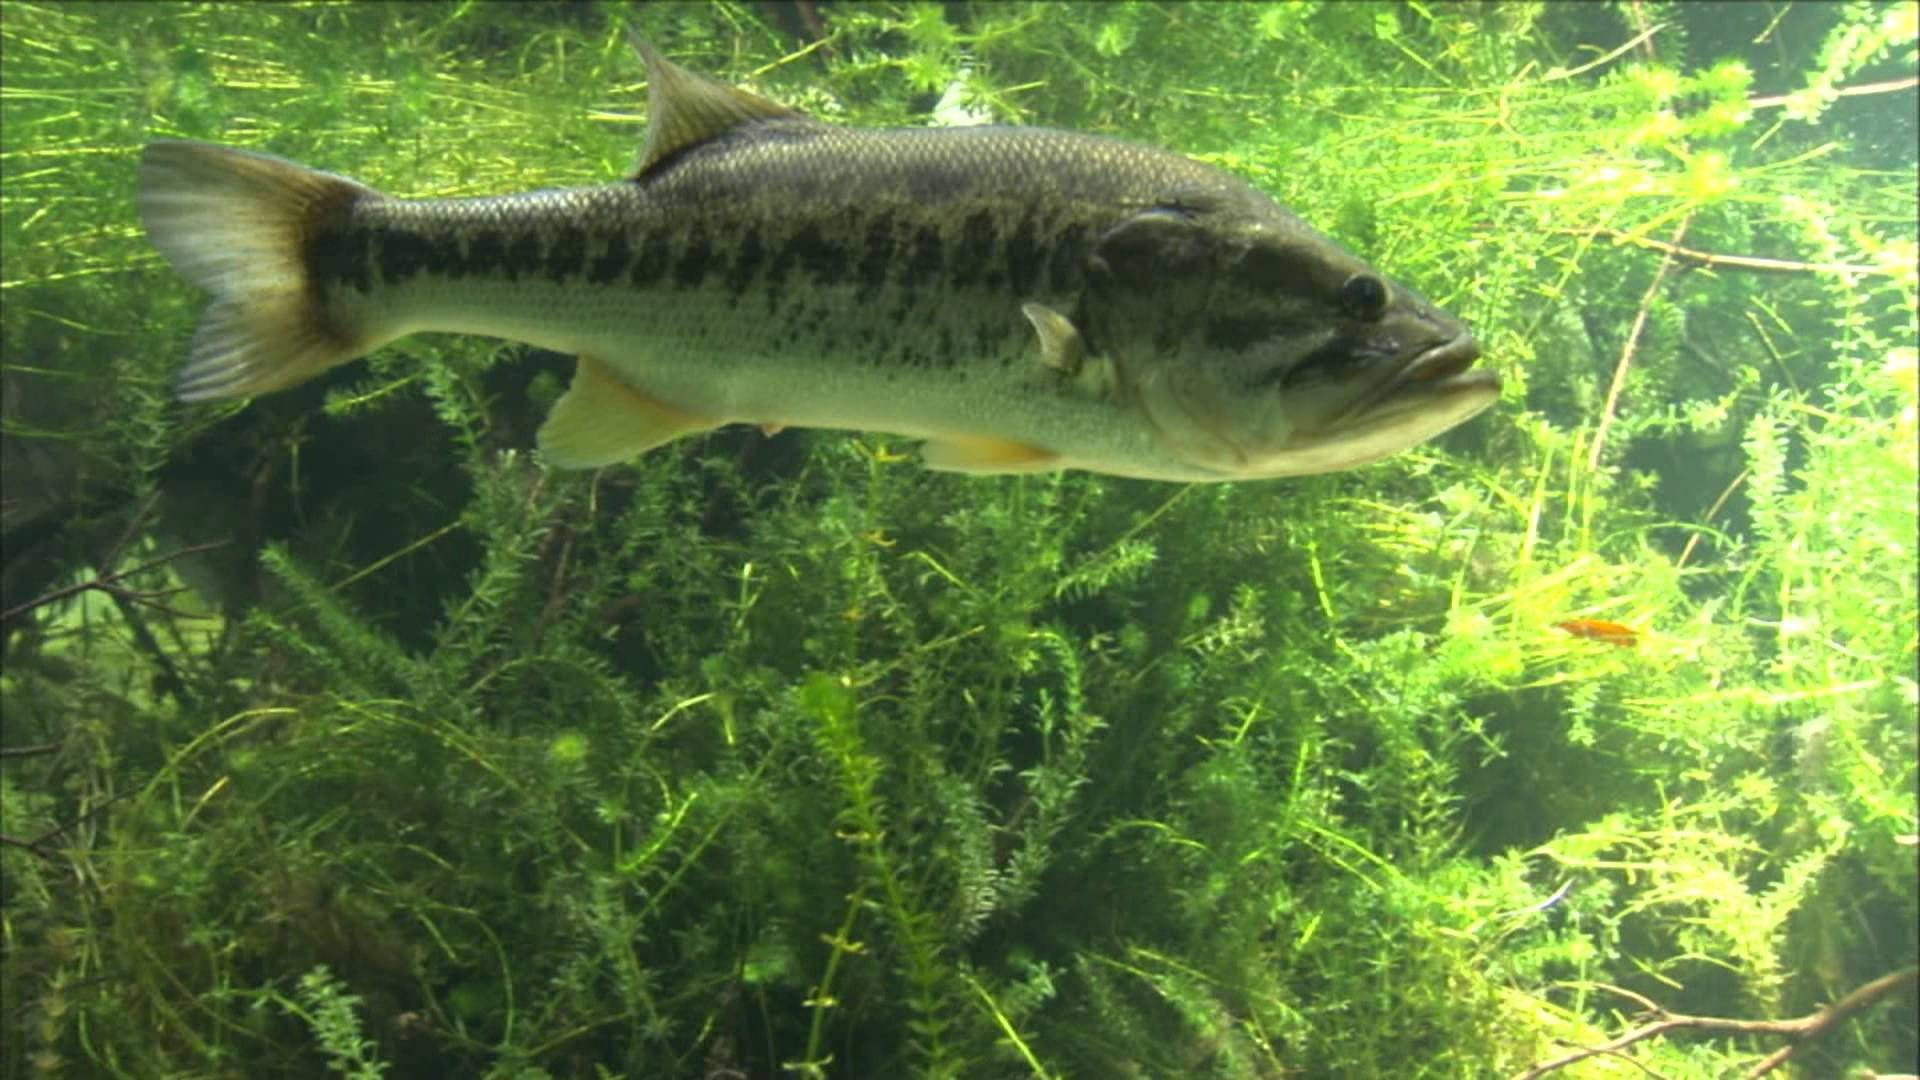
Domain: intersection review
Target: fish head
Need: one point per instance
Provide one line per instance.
(1254, 346)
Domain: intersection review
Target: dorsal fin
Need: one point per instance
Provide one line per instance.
(685, 108)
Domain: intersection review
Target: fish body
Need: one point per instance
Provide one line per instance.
(1023, 299)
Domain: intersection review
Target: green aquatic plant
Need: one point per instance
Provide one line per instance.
(765, 755)
(326, 1006)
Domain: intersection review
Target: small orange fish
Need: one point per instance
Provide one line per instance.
(1601, 630)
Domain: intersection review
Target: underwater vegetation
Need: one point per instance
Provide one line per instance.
(342, 737)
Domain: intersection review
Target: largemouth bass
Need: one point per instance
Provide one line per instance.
(1022, 299)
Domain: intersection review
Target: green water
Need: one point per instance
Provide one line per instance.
(340, 736)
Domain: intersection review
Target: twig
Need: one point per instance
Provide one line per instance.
(28, 751)
(1816, 1025)
(1799, 1030)
(169, 680)
(1621, 50)
(1633, 342)
(129, 601)
(1886, 87)
(29, 845)
(40, 841)
(1741, 262)
(1712, 511)
(108, 581)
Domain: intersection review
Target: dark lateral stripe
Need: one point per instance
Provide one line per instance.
(809, 250)
(1025, 259)
(487, 254)
(1253, 324)
(523, 252)
(1067, 260)
(747, 260)
(926, 261)
(877, 257)
(973, 256)
(356, 256)
(1245, 331)
(652, 263)
(883, 251)
(341, 258)
(567, 254)
(612, 262)
(402, 253)
(691, 268)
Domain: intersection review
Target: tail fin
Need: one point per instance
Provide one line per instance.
(239, 224)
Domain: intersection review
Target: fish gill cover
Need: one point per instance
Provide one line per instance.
(339, 735)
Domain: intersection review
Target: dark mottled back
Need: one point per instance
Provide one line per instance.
(997, 208)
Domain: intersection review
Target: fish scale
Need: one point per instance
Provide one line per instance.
(1022, 298)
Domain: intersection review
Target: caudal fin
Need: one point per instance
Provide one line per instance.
(240, 225)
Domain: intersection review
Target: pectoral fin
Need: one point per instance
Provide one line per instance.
(985, 455)
(602, 420)
(1061, 347)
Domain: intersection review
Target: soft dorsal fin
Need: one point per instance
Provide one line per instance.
(685, 108)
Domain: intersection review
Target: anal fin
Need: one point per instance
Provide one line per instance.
(601, 420)
(986, 455)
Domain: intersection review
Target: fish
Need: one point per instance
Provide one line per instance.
(1021, 299)
(1612, 633)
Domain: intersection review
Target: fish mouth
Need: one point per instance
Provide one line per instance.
(1444, 360)
(1436, 378)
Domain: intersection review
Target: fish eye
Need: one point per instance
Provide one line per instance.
(1364, 297)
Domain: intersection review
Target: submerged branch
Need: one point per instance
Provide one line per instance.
(1712, 512)
(28, 751)
(109, 582)
(1887, 87)
(1633, 343)
(28, 845)
(1609, 57)
(1739, 262)
(1800, 1030)
(128, 600)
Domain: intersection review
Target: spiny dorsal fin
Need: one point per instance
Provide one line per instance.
(685, 108)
